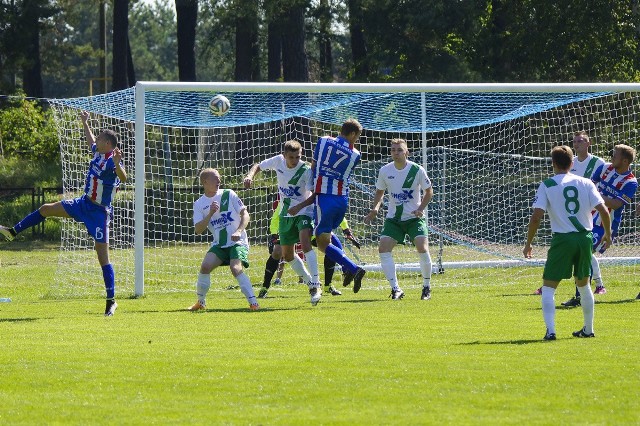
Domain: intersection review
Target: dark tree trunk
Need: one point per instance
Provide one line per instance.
(120, 45)
(358, 45)
(32, 68)
(247, 49)
(274, 54)
(324, 42)
(187, 18)
(131, 72)
(294, 57)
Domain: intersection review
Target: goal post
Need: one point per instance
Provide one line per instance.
(484, 146)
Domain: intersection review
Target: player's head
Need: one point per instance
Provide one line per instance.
(399, 150)
(351, 130)
(581, 143)
(106, 141)
(623, 156)
(561, 157)
(210, 179)
(292, 153)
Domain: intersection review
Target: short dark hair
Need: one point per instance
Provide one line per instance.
(111, 136)
(350, 126)
(562, 156)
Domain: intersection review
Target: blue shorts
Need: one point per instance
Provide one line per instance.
(598, 233)
(330, 211)
(95, 217)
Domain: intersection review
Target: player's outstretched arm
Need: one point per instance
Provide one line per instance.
(117, 159)
(91, 139)
(248, 180)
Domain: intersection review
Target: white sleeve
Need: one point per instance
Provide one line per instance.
(197, 213)
(236, 202)
(269, 163)
(381, 184)
(540, 201)
(309, 180)
(425, 182)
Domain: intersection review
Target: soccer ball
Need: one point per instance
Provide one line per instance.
(219, 105)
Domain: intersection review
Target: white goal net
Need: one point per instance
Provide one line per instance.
(485, 147)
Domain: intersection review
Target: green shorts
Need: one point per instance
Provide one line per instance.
(290, 228)
(568, 252)
(234, 252)
(397, 229)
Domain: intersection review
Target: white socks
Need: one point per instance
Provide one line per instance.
(549, 308)
(587, 302)
(312, 265)
(245, 287)
(202, 287)
(298, 267)
(595, 270)
(425, 268)
(389, 269)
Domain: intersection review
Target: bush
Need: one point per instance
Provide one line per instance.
(28, 131)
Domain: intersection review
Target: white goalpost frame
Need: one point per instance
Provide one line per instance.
(142, 87)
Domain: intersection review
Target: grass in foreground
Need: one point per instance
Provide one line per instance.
(472, 354)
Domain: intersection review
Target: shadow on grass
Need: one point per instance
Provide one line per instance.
(22, 319)
(505, 342)
(616, 302)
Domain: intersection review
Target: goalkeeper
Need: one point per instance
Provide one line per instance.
(273, 262)
(94, 208)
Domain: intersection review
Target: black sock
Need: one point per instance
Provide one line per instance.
(329, 269)
(269, 270)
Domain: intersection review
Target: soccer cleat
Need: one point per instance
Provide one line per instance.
(396, 294)
(334, 291)
(357, 279)
(6, 232)
(110, 309)
(571, 303)
(538, 291)
(426, 293)
(300, 280)
(263, 293)
(277, 281)
(600, 290)
(582, 333)
(347, 277)
(638, 296)
(316, 294)
(549, 336)
(197, 307)
(254, 307)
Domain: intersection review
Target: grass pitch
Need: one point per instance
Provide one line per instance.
(472, 355)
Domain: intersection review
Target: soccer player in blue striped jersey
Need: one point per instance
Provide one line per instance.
(334, 159)
(93, 208)
(617, 185)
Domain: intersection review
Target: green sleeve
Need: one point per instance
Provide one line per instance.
(275, 220)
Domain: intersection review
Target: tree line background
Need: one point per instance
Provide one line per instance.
(53, 48)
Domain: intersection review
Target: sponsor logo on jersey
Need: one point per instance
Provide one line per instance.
(391, 177)
(290, 191)
(405, 195)
(280, 171)
(223, 219)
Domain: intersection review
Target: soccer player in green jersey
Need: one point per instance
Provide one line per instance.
(568, 199)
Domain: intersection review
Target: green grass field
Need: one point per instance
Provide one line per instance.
(471, 355)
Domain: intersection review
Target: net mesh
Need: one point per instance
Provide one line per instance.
(485, 153)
